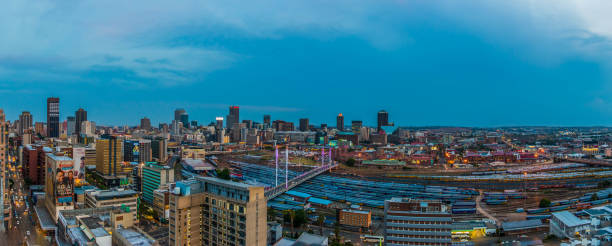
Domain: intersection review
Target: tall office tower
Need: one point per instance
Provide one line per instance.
(5, 214)
(159, 149)
(185, 120)
(59, 184)
(131, 151)
(153, 177)
(383, 119)
(340, 122)
(267, 121)
(145, 124)
(417, 222)
(109, 155)
(25, 122)
(304, 124)
(233, 117)
(219, 212)
(356, 126)
(145, 151)
(70, 126)
(53, 126)
(194, 123)
(80, 116)
(219, 123)
(177, 114)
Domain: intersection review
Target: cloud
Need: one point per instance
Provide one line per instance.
(161, 43)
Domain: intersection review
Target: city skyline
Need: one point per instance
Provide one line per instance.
(519, 63)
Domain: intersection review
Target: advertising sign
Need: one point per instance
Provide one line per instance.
(64, 186)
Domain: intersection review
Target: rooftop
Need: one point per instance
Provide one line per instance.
(135, 238)
(521, 225)
(59, 158)
(569, 219)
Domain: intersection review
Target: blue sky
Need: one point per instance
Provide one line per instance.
(474, 63)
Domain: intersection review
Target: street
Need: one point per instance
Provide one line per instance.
(23, 221)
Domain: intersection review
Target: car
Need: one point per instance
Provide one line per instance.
(18, 222)
(28, 233)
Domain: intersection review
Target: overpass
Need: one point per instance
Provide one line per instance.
(284, 187)
(592, 162)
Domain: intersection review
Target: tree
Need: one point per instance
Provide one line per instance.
(271, 214)
(350, 162)
(603, 184)
(594, 197)
(223, 174)
(544, 203)
(320, 222)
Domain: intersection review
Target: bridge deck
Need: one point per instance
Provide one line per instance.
(282, 188)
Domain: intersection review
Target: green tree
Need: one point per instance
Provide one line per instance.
(594, 197)
(603, 184)
(223, 174)
(320, 222)
(350, 162)
(544, 203)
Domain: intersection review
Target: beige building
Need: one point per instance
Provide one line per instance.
(113, 198)
(109, 155)
(211, 211)
(357, 218)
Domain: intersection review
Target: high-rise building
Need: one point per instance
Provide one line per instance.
(80, 116)
(304, 124)
(131, 150)
(185, 120)
(145, 124)
(178, 112)
(153, 177)
(33, 161)
(5, 211)
(356, 126)
(219, 123)
(59, 184)
(70, 125)
(25, 122)
(159, 149)
(340, 122)
(233, 117)
(383, 119)
(53, 126)
(109, 155)
(417, 222)
(267, 121)
(145, 151)
(217, 212)
(88, 128)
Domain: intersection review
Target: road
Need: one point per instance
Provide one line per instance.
(22, 217)
(484, 212)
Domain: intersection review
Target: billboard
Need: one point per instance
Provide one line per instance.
(64, 186)
(78, 155)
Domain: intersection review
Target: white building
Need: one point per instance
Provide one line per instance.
(566, 225)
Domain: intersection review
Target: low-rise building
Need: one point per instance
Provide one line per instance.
(566, 225)
(417, 222)
(113, 198)
(357, 218)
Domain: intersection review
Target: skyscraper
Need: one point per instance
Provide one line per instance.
(53, 126)
(233, 117)
(356, 126)
(159, 149)
(177, 114)
(267, 121)
(145, 124)
(219, 123)
(25, 122)
(304, 124)
(340, 122)
(185, 120)
(80, 116)
(383, 119)
(218, 212)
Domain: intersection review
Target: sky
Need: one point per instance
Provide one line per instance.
(453, 63)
